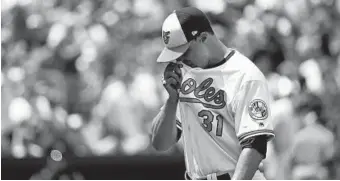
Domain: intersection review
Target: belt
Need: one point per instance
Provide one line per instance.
(225, 176)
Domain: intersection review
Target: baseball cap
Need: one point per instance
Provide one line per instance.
(179, 28)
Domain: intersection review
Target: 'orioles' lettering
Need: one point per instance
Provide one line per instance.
(204, 85)
(191, 83)
(203, 91)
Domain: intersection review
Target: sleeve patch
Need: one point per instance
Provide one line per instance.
(258, 109)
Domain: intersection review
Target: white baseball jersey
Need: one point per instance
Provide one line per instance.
(218, 108)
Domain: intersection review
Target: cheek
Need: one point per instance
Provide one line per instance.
(203, 51)
(198, 56)
(203, 56)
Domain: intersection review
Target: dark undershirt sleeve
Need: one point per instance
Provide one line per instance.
(179, 133)
(258, 143)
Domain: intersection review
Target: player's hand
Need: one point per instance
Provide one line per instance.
(172, 80)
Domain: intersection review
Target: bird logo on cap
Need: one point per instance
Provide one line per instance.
(166, 36)
(194, 33)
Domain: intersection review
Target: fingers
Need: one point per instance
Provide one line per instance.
(178, 70)
(172, 75)
(171, 81)
(173, 70)
(173, 67)
(170, 67)
(171, 85)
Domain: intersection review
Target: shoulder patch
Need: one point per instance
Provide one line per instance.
(258, 109)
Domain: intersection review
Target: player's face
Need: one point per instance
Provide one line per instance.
(196, 56)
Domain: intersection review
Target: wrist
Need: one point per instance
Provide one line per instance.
(172, 101)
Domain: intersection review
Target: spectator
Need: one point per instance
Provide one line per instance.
(313, 147)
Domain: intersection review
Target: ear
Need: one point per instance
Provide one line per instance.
(202, 37)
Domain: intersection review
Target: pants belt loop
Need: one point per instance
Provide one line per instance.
(214, 176)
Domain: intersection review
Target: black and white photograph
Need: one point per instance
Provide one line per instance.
(170, 89)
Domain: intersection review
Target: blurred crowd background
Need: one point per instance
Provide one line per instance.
(79, 77)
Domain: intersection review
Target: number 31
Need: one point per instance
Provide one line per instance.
(208, 118)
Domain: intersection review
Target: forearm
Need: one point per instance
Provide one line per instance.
(247, 164)
(164, 131)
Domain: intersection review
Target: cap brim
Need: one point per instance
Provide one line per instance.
(171, 54)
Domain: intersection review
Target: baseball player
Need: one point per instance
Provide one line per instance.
(218, 102)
